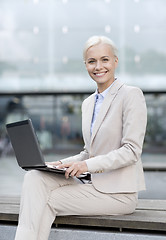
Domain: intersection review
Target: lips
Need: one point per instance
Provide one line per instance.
(100, 74)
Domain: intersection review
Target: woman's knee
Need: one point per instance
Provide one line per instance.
(32, 177)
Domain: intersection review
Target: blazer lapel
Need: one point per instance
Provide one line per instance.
(105, 107)
(88, 118)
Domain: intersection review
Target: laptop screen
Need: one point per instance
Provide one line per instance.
(25, 144)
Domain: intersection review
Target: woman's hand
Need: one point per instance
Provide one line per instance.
(54, 163)
(74, 169)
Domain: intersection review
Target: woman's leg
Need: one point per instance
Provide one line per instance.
(46, 195)
(36, 189)
(84, 199)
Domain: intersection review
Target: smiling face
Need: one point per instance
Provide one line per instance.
(101, 64)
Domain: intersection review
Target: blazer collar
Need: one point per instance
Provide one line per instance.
(104, 108)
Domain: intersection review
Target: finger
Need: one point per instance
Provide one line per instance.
(78, 173)
(53, 163)
(49, 163)
(73, 173)
(61, 166)
(65, 165)
(67, 173)
(57, 163)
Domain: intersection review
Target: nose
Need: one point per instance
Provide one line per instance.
(98, 65)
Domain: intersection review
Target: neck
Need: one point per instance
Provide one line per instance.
(103, 87)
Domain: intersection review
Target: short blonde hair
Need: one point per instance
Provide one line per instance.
(94, 40)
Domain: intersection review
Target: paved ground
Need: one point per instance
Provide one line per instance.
(8, 233)
(11, 176)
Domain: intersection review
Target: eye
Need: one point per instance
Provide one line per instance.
(105, 59)
(91, 61)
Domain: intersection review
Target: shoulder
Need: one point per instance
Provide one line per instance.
(132, 98)
(88, 100)
(131, 91)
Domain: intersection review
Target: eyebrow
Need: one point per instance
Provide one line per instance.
(105, 56)
(90, 59)
(95, 58)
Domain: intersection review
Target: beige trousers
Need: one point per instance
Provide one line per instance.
(47, 195)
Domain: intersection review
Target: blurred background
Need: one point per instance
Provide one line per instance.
(43, 77)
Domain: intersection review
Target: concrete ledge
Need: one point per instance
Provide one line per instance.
(154, 166)
(149, 215)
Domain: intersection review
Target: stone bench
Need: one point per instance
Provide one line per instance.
(150, 216)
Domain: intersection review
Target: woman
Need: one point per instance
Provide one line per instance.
(113, 126)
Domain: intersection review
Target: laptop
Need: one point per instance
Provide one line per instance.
(26, 147)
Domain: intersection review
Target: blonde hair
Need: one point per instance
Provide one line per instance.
(94, 40)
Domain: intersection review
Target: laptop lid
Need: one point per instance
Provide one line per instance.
(25, 144)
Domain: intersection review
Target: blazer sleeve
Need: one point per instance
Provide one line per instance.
(134, 119)
(83, 155)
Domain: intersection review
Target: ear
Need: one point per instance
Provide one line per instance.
(116, 62)
(85, 64)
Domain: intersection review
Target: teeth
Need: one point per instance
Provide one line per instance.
(99, 74)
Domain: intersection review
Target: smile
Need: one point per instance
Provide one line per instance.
(100, 74)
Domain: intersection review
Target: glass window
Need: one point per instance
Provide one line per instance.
(56, 119)
(41, 42)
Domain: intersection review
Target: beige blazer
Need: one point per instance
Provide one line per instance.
(113, 151)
